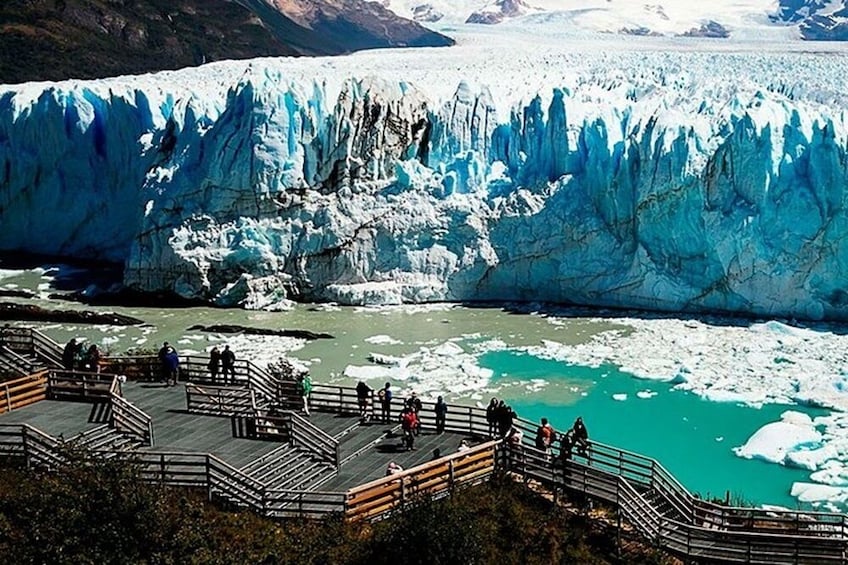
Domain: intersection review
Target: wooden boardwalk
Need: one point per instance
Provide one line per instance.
(369, 446)
(245, 446)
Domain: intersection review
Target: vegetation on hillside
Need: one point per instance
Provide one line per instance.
(97, 511)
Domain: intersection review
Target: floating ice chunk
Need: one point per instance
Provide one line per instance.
(382, 339)
(448, 349)
(811, 459)
(620, 396)
(774, 441)
(371, 372)
(833, 473)
(811, 492)
(646, 394)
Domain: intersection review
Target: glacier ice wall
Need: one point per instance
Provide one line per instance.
(661, 189)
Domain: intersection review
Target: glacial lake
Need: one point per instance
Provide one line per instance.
(469, 354)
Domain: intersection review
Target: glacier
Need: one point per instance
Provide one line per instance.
(636, 173)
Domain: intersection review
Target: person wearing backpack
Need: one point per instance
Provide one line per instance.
(385, 398)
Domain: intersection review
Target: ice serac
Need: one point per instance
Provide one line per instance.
(661, 189)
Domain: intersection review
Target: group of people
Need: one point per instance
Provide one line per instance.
(575, 438)
(500, 417)
(410, 415)
(223, 363)
(76, 357)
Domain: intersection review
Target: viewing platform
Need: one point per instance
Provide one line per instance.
(245, 443)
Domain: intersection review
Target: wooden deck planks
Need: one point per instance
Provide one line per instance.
(372, 463)
(58, 418)
(176, 429)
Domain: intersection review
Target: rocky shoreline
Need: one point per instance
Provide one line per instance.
(12, 312)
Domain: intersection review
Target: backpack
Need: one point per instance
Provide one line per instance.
(408, 420)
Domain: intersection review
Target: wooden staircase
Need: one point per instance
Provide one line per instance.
(106, 439)
(291, 468)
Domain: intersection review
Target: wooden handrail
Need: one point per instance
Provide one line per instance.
(385, 495)
(313, 438)
(23, 391)
(127, 417)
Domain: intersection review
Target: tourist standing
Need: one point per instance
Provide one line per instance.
(384, 395)
(492, 417)
(163, 363)
(544, 436)
(441, 410)
(304, 389)
(581, 436)
(415, 403)
(69, 355)
(228, 363)
(214, 363)
(408, 423)
(172, 366)
(363, 393)
(92, 359)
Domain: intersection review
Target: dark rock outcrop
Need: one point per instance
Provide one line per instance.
(32, 313)
(234, 329)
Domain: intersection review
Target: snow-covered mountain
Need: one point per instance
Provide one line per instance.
(614, 172)
(806, 19)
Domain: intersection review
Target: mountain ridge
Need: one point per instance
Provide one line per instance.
(84, 39)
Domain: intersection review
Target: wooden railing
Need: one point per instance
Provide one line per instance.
(195, 369)
(23, 391)
(383, 496)
(771, 537)
(127, 417)
(32, 342)
(289, 427)
(34, 446)
(46, 349)
(309, 436)
(8, 368)
(219, 401)
(13, 362)
(78, 385)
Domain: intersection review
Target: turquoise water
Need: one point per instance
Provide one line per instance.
(691, 437)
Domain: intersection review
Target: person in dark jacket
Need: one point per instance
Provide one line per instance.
(69, 354)
(172, 365)
(214, 363)
(581, 437)
(163, 363)
(492, 417)
(228, 363)
(385, 397)
(363, 395)
(441, 409)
